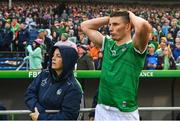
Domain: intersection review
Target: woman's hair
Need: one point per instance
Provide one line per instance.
(41, 35)
(169, 51)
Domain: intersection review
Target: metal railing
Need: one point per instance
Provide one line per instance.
(84, 110)
(12, 113)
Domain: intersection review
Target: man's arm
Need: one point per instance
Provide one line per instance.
(90, 28)
(142, 32)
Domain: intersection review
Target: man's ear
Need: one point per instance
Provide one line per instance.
(128, 27)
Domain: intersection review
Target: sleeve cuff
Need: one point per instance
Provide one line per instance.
(42, 116)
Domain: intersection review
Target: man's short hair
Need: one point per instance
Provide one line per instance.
(123, 14)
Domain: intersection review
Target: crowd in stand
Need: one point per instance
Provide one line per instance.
(49, 22)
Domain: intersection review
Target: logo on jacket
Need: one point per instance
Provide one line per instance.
(44, 82)
(58, 92)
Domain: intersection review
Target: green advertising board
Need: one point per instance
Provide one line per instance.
(89, 73)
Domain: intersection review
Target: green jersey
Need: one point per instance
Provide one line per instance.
(120, 72)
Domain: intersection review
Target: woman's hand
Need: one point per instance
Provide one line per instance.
(34, 115)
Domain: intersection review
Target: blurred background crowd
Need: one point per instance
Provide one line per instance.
(30, 29)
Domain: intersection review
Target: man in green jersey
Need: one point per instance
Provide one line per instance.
(122, 63)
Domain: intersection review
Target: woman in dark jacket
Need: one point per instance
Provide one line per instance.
(56, 88)
(166, 62)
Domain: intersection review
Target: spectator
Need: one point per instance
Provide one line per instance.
(160, 33)
(7, 38)
(55, 28)
(15, 25)
(154, 41)
(54, 37)
(56, 88)
(64, 15)
(46, 48)
(166, 27)
(48, 40)
(170, 41)
(49, 44)
(151, 61)
(33, 32)
(82, 38)
(100, 59)
(176, 51)
(22, 37)
(35, 55)
(63, 40)
(63, 27)
(94, 53)
(163, 44)
(48, 33)
(29, 19)
(166, 62)
(85, 61)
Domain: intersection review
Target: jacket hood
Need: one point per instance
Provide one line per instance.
(69, 59)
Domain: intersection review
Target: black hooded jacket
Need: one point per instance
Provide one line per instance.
(49, 91)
